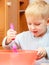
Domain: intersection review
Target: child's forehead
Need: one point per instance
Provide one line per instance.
(34, 17)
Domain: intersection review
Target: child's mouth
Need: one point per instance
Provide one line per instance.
(35, 32)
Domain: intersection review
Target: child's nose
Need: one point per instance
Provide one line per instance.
(33, 27)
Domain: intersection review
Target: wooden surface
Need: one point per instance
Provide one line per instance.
(23, 24)
(8, 14)
(1, 48)
(11, 14)
(2, 20)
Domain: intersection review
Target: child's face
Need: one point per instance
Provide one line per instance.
(37, 25)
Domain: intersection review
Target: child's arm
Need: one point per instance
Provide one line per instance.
(11, 34)
(43, 52)
(8, 40)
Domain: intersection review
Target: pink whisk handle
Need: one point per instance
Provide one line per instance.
(14, 49)
(11, 26)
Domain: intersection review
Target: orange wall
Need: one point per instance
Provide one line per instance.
(2, 19)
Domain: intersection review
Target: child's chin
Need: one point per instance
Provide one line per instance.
(35, 35)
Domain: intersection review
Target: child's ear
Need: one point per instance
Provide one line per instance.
(48, 21)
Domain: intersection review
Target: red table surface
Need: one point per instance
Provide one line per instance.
(7, 57)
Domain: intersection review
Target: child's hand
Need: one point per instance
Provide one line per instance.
(41, 53)
(11, 34)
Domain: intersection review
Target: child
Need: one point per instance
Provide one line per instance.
(37, 38)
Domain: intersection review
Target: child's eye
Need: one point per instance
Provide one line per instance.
(29, 23)
(37, 24)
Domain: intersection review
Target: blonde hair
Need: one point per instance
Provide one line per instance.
(38, 7)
